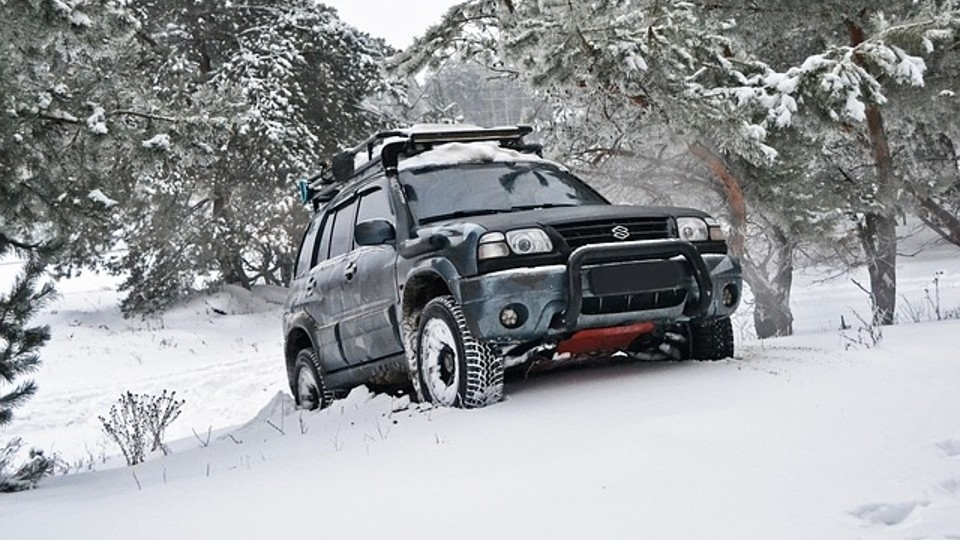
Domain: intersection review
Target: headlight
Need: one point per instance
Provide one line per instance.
(528, 241)
(518, 242)
(692, 229)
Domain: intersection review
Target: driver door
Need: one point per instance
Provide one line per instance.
(369, 330)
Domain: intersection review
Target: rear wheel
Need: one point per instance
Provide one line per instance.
(455, 370)
(309, 390)
(712, 339)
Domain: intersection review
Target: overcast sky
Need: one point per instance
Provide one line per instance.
(397, 21)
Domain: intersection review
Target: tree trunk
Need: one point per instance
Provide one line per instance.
(771, 311)
(232, 269)
(771, 314)
(732, 190)
(230, 263)
(878, 232)
(878, 236)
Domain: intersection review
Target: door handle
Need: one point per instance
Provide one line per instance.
(351, 270)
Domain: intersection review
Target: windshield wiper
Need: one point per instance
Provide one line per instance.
(538, 206)
(462, 213)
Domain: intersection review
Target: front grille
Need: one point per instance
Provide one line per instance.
(620, 303)
(598, 232)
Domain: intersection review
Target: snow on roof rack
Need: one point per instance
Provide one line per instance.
(324, 186)
(469, 134)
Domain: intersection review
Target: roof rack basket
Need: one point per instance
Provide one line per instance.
(386, 147)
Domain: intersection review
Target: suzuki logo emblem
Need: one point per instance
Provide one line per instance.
(620, 232)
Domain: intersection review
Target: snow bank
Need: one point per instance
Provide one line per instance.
(234, 300)
(221, 353)
(795, 439)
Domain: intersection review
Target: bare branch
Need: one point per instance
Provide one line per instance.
(149, 116)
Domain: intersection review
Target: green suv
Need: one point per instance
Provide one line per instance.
(438, 256)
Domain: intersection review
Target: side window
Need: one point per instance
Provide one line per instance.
(342, 240)
(374, 205)
(307, 246)
(323, 246)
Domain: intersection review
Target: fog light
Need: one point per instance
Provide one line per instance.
(492, 251)
(513, 316)
(729, 296)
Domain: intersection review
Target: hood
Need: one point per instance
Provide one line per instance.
(570, 214)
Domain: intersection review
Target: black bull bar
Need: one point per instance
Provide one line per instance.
(642, 250)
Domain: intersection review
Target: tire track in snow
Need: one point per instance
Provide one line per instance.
(216, 394)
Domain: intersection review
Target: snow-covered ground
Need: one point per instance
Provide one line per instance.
(805, 437)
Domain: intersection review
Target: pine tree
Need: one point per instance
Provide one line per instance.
(468, 92)
(625, 74)
(78, 103)
(175, 129)
(628, 65)
(871, 98)
(19, 342)
(288, 82)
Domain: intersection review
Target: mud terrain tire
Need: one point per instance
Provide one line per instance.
(309, 389)
(454, 369)
(711, 340)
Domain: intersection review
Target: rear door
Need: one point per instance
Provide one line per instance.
(326, 280)
(369, 330)
(301, 288)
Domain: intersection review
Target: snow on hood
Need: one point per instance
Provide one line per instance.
(455, 153)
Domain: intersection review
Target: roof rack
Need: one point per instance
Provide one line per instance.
(386, 147)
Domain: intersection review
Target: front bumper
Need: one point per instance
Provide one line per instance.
(603, 285)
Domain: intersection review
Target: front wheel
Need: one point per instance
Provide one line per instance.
(455, 369)
(711, 340)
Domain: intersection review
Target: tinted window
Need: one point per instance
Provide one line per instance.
(374, 205)
(342, 240)
(441, 192)
(305, 258)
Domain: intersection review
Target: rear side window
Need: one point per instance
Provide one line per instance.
(307, 246)
(323, 247)
(342, 240)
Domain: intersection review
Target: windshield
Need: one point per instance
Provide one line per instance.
(445, 192)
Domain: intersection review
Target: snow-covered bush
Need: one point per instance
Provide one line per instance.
(23, 476)
(138, 419)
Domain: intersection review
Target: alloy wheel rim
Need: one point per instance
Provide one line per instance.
(308, 390)
(439, 361)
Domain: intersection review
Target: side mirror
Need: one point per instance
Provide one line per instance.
(374, 232)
